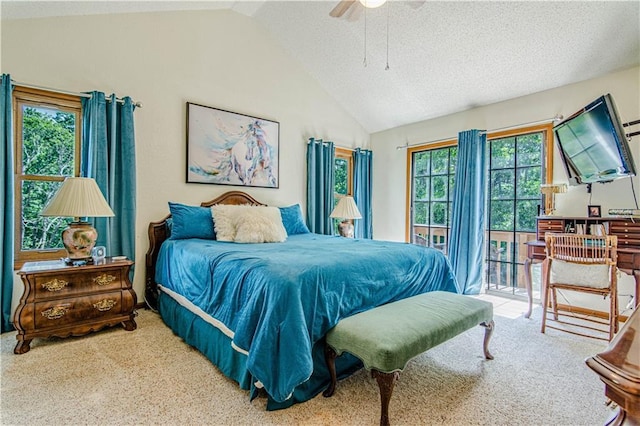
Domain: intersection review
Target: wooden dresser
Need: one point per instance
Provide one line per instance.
(626, 229)
(61, 300)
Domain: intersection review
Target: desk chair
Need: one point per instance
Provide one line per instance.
(583, 263)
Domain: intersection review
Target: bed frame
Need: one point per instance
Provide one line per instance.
(159, 232)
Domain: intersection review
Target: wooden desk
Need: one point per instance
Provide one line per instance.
(628, 233)
(619, 368)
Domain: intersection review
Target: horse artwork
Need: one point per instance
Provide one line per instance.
(228, 148)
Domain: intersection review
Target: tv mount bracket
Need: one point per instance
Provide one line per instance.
(629, 124)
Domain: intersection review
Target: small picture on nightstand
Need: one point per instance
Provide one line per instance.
(593, 211)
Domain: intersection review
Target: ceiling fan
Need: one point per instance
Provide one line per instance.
(355, 7)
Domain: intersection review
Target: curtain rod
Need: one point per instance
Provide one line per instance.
(65, 92)
(484, 132)
(339, 146)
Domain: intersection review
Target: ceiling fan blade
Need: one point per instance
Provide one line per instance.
(341, 8)
(415, 4)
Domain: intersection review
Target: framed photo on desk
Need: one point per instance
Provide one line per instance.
(594, 211)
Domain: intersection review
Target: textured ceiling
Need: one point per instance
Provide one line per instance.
(444, 57)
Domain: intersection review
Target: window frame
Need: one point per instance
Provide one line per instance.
(347, 155)
(546, 128)
(410, 151)
(26, 96)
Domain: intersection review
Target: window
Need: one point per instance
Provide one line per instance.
(343, 177)
(47, 150)
(518, 161)
(431, 194)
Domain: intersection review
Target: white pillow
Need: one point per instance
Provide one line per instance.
(594, 276)
(248, 224)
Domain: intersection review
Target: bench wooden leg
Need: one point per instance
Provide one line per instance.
(386, 382)
(487, 336)
(330, 358)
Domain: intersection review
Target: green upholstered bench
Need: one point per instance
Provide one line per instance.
(387, 337)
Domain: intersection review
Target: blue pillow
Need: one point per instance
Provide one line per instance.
(191, 222)
(293, 221)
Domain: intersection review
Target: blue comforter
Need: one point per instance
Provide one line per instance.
(279, 299)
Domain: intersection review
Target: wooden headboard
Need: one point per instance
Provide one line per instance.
(159, 232)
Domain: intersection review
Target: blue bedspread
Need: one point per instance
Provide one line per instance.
(279, 299)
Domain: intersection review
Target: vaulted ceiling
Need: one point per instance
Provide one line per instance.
(443, 56)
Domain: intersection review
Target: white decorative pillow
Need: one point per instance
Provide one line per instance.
(224, 221)
(248, 224)
(594, 276)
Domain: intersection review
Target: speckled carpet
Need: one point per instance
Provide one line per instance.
(151, 377)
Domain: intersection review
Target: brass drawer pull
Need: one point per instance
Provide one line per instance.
(55, 312)
(104, 305)
(104, 279)
(55, 285)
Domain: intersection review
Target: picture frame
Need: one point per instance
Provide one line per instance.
(594, 211)
(229, 148)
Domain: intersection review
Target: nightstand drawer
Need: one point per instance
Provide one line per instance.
(63, 285)
(75, 310)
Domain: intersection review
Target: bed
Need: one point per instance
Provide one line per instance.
(259, 312)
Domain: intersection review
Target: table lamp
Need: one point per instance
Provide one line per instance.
(78, 197)
(346, 210)
(550, 190)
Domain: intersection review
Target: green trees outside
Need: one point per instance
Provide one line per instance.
(515, 175)
(340, 173)
(433, 185)
(48, 152)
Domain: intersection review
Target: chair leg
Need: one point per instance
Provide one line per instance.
(554, 303)
(613, 315)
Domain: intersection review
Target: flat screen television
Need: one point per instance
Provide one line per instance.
(593, 144)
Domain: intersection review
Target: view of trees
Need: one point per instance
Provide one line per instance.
(47, 157)
(515, 175)
(433, 185)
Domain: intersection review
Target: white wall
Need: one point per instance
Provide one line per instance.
(216, 58)
(390, 164)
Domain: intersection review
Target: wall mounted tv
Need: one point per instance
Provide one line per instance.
(593, 144)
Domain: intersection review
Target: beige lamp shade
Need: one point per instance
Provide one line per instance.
(346, 209)
(78, 197)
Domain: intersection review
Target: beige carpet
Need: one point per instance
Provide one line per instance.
(150, 377)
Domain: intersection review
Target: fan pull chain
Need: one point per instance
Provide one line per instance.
(364, 62)
(387, 67)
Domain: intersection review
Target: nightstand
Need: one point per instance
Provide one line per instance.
(61, 300)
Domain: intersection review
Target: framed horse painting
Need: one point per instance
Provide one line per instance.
(227, 148)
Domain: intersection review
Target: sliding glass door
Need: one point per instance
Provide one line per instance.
(518, 163)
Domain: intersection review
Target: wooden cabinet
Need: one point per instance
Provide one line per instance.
(627, 230)
(61, 300)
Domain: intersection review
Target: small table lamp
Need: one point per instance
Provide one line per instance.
(78, 197)
(347, 210)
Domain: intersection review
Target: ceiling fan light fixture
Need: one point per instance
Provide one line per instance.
(372, 3)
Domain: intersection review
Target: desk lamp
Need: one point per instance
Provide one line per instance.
(346, 210)
(78, 197)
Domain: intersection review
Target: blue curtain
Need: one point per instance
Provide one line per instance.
(320, 186)
(6, 194)
(362, 188)
(108, 156)
(467, 218)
